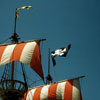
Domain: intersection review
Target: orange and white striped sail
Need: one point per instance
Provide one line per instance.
(66, 90)
(27, 53)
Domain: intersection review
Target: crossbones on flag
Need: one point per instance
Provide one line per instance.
(62, 52)
(24, 7)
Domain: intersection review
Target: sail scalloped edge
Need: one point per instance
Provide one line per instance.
(27, 53)
(64, 90)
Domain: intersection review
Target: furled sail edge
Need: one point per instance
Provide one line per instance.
(79, 77)
(39, 40)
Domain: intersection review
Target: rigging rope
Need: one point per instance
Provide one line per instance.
(4, 40)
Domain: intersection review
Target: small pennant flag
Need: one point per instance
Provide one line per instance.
(24, 7)
(62, 52)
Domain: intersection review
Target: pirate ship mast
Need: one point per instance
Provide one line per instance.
(11, 89)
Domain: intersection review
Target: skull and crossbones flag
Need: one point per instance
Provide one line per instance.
(62, 52)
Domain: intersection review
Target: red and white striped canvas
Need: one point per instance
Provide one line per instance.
(27, 53)
(66, 90)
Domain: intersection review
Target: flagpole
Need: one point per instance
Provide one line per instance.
(49, 62)
(48, 78)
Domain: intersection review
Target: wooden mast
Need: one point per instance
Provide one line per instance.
(11, 88)
(15, 39)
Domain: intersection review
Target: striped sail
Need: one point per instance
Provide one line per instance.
(65, 90)
(27, 53)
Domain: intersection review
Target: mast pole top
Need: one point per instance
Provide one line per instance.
(15, 37)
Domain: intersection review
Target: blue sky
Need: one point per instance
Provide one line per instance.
(61, 22)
